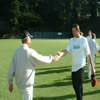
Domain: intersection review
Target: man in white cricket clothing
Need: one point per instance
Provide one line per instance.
(23, 65)
(88, 38)
(89, 35)
(93, 46)
(79, 47)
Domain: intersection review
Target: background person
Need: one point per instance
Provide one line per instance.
(23, 65)
(81, 33)
(88, 38)
(89, 35)
(93, 46)
(79, 47)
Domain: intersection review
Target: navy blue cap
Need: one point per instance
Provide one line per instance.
(26, 34)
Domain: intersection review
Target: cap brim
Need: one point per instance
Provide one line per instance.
(26, 34)
(31, 36)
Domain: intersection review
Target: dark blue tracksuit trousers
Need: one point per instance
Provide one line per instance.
(77, 81)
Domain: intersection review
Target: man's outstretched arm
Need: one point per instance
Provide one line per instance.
(60, 54)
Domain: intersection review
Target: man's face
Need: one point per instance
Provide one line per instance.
(74, 31)
(89, 33)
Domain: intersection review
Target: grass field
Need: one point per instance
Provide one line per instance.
(53, 81)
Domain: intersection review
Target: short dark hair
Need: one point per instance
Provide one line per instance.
(89, 31)
(75, 26)
(24, 40)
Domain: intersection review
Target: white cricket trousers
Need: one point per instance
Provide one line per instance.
(89, 66)
(27, 93)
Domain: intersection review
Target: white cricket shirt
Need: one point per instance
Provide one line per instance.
(88, 37)
(23, 66)
(79, 47)
(93, 46)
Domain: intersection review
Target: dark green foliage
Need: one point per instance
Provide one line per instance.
(49, 15)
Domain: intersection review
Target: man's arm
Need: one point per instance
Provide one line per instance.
(60, 54)
(38, 59)
(97, 46)
(63, 53)
(53, 59)
(11, 74)
(90, 60)
(99, 50)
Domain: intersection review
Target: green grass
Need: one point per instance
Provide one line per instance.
(52, 81)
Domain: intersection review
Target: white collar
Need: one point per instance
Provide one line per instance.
(25, 45)
(78, 37)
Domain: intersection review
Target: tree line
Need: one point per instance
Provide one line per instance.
(49, 15)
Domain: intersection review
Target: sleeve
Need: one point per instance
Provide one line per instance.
(11, 71)
(69, 46)
(97, 46)
(38, 59)
(86, 47)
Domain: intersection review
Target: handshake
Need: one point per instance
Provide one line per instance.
(57, 57)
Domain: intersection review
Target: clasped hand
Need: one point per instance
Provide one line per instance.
(57, 57)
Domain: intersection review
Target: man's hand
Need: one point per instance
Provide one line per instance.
(93, 80)
(59, 53)
(57, 57)
(10, 87)
(54, 59)
(99, 51)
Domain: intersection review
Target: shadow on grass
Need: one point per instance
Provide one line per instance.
(97, 63)
(92, 92)
(56, 84)
(98, 72)
(65, 97)
(54, 70)
(68, 78)
(87, 81)
(70, 96)
(97, 56)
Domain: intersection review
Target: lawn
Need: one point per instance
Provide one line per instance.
(52, 81)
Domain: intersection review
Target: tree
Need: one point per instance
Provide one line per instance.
(13, 14)
(48, 15)
(28, 17)
(93, 9)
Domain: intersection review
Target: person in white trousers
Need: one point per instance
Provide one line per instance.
(93, 45)
(88, 38)
(23, 65)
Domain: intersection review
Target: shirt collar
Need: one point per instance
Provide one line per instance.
(78, 38)
(25, 45)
